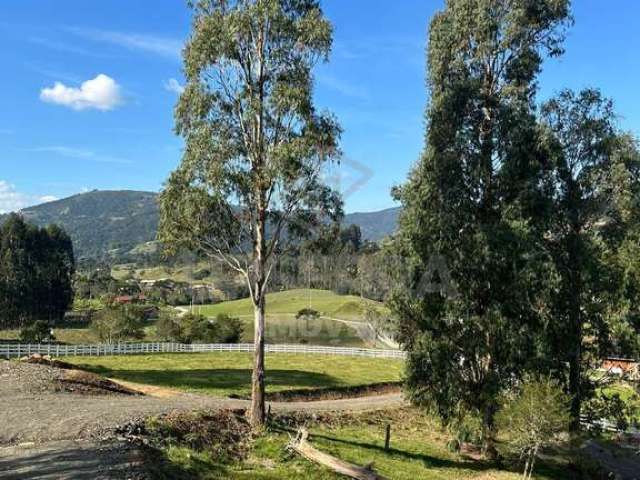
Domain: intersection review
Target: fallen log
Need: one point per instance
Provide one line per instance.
(302, 446)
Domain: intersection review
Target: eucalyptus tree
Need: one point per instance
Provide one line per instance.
(594, 175)
(469, 207)
(251, 179)
(36, 272)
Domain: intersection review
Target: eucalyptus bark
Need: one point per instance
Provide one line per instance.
(258, 411)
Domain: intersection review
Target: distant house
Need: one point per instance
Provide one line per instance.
(128, 299)
(621, 366)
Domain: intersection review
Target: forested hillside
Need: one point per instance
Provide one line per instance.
(101, 223)
(108, 224)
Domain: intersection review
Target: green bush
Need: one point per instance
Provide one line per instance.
(169, 327)
(119, 322)
(532, 417)
(229, 328)
(193, 327)
(38, 332)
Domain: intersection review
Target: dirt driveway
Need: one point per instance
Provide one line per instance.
(47, 434)
(65, 416)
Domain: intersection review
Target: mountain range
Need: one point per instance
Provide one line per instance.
(104, 224)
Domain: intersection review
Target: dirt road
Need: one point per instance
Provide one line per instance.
(63, 416)
(50, 434)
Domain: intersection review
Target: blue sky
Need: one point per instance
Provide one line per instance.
(60, 136)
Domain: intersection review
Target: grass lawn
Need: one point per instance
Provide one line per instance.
(227, 373)
(418, 451)
(329, 304)
(287, 329)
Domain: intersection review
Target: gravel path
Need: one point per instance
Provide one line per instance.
(48, 434)
(65, 416)
(71, 460)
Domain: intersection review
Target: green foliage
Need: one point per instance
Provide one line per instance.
(36, 271)
(593, 182)
(38, 332)
(532, 417)
(192, 327)
(119, 323)
(85, 304)
(612, 407)
(229, 328)
(470, 208)
(168, 326)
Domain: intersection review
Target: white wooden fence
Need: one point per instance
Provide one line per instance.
(20, 350)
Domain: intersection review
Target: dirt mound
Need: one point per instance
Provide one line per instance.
(38, 375)
(79, 381)
(18, 377)
(47, 360)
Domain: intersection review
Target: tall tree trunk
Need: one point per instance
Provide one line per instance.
(488, 432)
(258, 412)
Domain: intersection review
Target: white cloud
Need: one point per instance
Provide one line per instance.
(101, 93)
(79, 153)
(11, 200)
(162, 46)
(172, 85)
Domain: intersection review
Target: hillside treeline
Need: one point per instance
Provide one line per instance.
(36, 272)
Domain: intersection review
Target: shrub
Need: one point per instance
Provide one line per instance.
(119, 322)
(532, 418)
(229, 328)
(192, 327)
(169, 326)
(38, 332)
(197, 328)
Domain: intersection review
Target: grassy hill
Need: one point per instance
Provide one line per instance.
(329, 304)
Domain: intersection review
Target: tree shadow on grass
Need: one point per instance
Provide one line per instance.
(549, 468)
(236, 380)
(427, 460)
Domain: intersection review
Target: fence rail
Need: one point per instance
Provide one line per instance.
(21, 349)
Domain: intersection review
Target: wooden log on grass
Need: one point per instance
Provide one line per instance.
(302, 446)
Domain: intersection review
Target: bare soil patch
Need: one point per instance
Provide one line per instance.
(42, 375)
